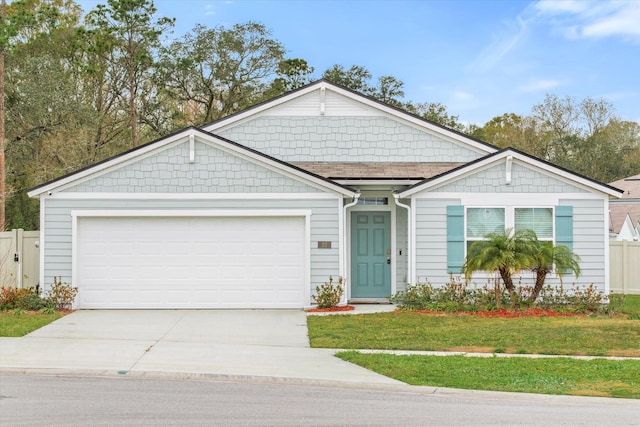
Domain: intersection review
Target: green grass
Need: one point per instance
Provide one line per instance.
(631, 305)
(606, 378)
(584, 335)
(18, 325)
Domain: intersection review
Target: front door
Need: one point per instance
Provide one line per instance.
(370, 254)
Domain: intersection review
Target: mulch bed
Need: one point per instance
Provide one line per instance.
(506, 313)
(331, 309)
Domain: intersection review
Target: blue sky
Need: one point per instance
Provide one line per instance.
(479, 58)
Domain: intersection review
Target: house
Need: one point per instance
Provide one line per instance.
(257, 209)
(625, 212)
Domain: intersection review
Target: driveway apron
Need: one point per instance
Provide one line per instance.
(229, 343)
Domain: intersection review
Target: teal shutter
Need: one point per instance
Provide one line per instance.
(455, 238)
(564, 226)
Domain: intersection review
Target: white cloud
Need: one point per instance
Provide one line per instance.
(593, 19)
(502, 44)
(540, 85)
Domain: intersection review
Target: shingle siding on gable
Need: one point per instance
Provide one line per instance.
(214, 171)
(339, 139)
(523, 180)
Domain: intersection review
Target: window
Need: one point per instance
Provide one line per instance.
(373, 201)
(482, 221)
(539, 220)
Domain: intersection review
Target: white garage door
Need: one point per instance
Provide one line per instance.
(190, 262)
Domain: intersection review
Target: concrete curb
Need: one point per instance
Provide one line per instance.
(471, 354)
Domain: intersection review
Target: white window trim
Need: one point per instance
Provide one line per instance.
(509, 220)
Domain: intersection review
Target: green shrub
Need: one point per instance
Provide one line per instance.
(61, 295)
(457, 296)
(328, 295)
(23, 299)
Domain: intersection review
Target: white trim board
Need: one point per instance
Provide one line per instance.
(193, 196)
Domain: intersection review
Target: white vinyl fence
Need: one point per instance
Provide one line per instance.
(19, 259)
(624, 267)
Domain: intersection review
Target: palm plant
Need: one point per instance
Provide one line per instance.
(503, 253)
(543, 256)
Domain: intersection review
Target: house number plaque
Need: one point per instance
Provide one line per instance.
(324, 245)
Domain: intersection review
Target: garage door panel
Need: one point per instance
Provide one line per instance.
(191, 262)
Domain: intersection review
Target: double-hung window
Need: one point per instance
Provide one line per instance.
(539, 220)
(482, 221)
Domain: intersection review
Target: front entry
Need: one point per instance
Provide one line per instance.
(370, 254)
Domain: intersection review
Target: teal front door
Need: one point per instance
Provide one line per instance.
(370, 254)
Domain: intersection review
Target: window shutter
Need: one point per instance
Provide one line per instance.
(455, 238)
(564, 226)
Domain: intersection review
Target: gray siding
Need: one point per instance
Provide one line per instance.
(57, 236)
(523, 180)
(588, 242)
(431, 240)
(214, 171)
(589, 239)
(358, 139)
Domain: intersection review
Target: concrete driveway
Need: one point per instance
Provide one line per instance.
(225, 343)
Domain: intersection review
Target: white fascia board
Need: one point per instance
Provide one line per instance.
(543, 167)
(191, 213)
(91, 172)
(381, 182)
(509, 199)
(255, 111)
(273, 165)
(195, 196)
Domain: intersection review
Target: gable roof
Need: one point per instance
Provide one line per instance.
(620, 212)
(127, 156)
(324, 84)
(630, 186)
(504, 154)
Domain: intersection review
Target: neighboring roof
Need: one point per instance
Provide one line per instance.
(503, 154)
(630, 186)
(618, 213)
(377, 170)
(365, 99)
(153, 145)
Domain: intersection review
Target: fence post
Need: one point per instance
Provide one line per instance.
(625, 266)
(18, 256)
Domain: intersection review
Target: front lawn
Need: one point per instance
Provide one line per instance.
(18, 325)
(631, 305)
(606, 378)
(405, 330)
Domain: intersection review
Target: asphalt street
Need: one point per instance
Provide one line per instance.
(27, 400)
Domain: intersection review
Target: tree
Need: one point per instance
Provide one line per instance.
(543, 257)
(435, 112)
(356, 78)
(218, 71)
(135, 39)
(292, 74)
(503, 253)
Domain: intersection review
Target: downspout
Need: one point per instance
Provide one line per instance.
(396, 198)
(346, 255)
